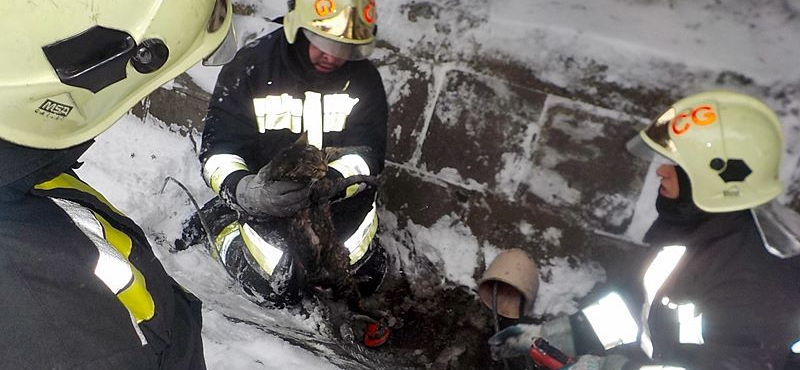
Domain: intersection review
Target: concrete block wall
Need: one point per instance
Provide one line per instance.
(521, 161)
(519, 166)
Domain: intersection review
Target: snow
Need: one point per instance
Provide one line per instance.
(450, 244)
(452, 176)
(758, 39)
(742, 36)
(239, 346)
(559, 294)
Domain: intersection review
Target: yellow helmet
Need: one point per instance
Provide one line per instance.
(71, 68)
(729, 144)
(343, 28)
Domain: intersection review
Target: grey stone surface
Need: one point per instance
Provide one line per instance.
(587, 150)
(475, 121)
(408, 97)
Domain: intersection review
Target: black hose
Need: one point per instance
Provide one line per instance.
(495, 315)
(203, 222)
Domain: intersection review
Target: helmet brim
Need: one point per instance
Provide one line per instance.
(341, 50)
(637, 147)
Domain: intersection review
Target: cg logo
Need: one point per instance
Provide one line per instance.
(325, 8)
(703, 115)
(369, 12)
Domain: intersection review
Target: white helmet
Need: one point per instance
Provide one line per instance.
(71, 68)
(729, 144)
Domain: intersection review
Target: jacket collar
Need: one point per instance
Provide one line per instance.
(21, 167)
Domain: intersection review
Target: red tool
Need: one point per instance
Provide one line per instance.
(377, 333)
(548, 356)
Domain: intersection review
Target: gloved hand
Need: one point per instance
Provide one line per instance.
(513, 341)
(516, 340)
(259, 196)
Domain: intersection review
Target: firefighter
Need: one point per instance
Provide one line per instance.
(81, 286)
(309, 77)
(721, 287)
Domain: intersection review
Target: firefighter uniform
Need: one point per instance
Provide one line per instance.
(82, 288)
(264, 99)
(714, 297)
(721, 289)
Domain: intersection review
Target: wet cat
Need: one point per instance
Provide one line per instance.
(324, 262)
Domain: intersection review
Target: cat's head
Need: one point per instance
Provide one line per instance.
(299, 162)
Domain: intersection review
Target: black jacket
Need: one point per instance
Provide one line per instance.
(749, 299)
(57, 313)
(270, 66)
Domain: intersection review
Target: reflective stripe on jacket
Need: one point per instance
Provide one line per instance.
(715, 298)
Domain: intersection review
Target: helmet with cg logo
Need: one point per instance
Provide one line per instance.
(730, 145)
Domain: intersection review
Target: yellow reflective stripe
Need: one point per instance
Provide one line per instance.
(660, 269)
(121, 241)
(135, 297)
(645, 343)
(219, 166)
(266, 255)
(657, 273)
(351, 165)
(691, 325)
(66, 181)
(612, 321)
(224, 240)
(358, 243)
(337, 109)
(113, 267)
(278, 112)
(312, 118)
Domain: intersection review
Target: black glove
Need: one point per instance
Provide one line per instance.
(259, 196)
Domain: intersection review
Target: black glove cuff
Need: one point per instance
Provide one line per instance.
(227, 190)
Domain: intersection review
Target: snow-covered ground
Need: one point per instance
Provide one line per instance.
(757, 38)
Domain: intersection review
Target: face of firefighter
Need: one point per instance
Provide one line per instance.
(669, 181)
(322, 61)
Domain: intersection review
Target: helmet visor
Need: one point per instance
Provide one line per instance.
(658, 131)
(347, 25)
(340, 50)
(225, 52)
(639, 149)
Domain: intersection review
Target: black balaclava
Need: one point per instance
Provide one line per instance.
(677, 218)
(682, 209)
